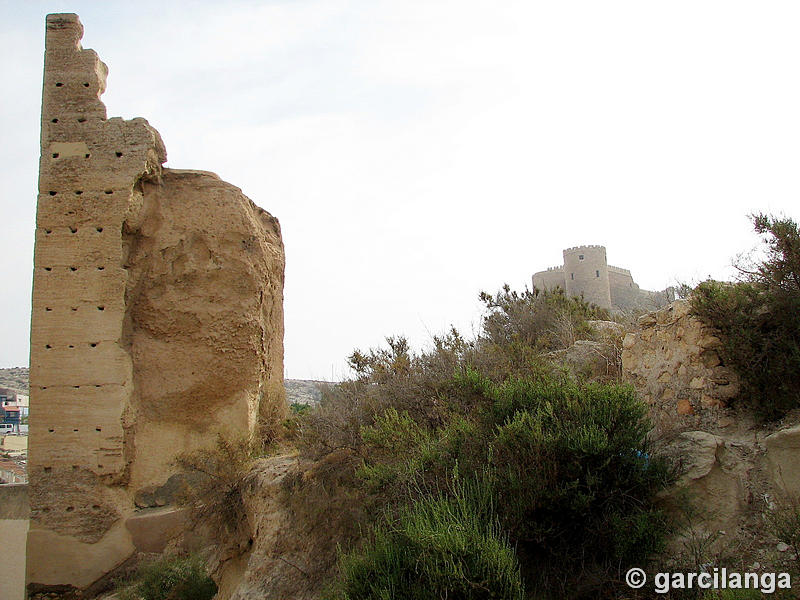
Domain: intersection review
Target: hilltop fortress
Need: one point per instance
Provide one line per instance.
(586, 273)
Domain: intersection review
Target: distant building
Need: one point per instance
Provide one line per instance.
(13, 407)
(11, 416)
(586, 273)
(12, 472)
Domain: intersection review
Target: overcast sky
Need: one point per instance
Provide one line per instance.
(417, 152)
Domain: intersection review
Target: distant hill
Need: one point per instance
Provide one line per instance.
(15, 378)
(304, 391)
(298, 391)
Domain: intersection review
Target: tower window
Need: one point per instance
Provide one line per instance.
(572, 275)
(580, 256)
(597, 273)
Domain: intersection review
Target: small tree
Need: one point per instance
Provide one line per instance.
(759, 319)
(543, 320)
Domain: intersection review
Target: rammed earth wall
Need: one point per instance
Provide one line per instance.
(157, 320)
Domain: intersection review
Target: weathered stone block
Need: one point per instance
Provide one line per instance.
(783, 449)
(151, 530)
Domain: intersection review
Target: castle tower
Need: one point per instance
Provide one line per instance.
(586, 274)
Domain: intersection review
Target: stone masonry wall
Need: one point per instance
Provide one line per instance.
(157, 316)
(735, 469)
(673, 362)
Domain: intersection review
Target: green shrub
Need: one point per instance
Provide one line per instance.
(403, 459)
(759, 320)
(574, 483)
(298, 408)
(567, 466)
(394, 443)
(439, 547)
(571, 477)
(541, 319)
(173, 578)
(518, 328)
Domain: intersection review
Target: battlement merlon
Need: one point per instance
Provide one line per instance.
(585, 247)
(619, 270)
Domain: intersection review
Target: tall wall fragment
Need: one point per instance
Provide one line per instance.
(157, 320)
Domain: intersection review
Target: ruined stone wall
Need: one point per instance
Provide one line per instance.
(157, 317)
(673, 362)
(735, 469)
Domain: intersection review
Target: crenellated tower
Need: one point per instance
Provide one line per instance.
(586, 274)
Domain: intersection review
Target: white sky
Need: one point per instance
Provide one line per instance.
(416, 152)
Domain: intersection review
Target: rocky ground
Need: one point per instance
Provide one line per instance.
(304, 391)
(15, 378)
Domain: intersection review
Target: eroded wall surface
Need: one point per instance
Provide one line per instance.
(735, 470)
(14, 513)
(673, 361)
(157, 319)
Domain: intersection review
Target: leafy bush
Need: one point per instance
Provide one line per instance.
(759, 319)
(541, 319)
(570, 474)
(573, 478)
(439, 547)
(566, 464)
(172, 578)
(519, 327)
(404, 460)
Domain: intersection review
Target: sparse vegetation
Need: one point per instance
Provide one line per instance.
(574, 477)
(735, 594)
(540, 319)
(216, 478)
(759, 319)
(519, 327)
(439, 547)
(567, 473)
(783, 523)
(170, 578)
